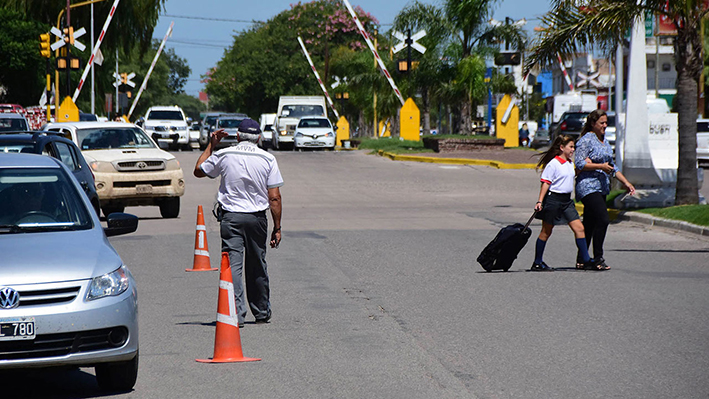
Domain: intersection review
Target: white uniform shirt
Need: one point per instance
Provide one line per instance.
(247, 173)
(560, 174)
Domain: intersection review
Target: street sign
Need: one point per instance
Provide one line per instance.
(68, 36)
(412, 42)
(588, 79)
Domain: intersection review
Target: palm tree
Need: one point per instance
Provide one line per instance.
(460, 28)
(573, 25)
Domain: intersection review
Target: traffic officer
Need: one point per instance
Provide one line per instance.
(250, 181)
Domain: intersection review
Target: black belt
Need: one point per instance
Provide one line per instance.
(563, 196)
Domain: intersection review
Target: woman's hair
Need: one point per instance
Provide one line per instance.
(591, 120)
(555, 149)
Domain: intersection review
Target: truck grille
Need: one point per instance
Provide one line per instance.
(160, 128)
(62, 344)
(130, 184)
(140, 166)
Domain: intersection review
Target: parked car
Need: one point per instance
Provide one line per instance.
(167, 125)
(194, 132)
(230, 124)
(66, 298)
(266, 123)
(610, 134)
(208, 125)
(10, 121)
(703, 142)
(570, 124)
(61, 148)
(129, 168)
(541, 139)
(16, 108)
(314, 132)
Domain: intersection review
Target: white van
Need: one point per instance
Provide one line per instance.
(266, 122)
(167, 125)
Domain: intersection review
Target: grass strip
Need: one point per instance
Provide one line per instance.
(695, 214)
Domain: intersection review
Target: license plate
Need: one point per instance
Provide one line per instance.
(316, 143)
(17, 328)
(144, 188)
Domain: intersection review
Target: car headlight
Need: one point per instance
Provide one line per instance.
(172, 164)
(330, 134)
(179, 128)
(105, 167)
(111, 284)
(299, 134)
(283, 132)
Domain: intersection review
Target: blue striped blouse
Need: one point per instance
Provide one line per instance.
(593, 181)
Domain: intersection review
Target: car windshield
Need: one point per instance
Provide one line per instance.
(314, 123)
(40, 199)
(229, 123)
(611, 120)
(112, 137)
(702, 127)
(16, 147)
(166, 115)
(7, 124)
(297, 111)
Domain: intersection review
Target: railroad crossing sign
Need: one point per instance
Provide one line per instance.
(68, 36)
(338, 81)
(124, 79)
(588, 79)
(406, 41)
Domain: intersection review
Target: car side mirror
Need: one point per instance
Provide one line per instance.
(120, 223)
(335, 127)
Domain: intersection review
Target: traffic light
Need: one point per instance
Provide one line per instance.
(69, 35)
(507, 59)
(44, 49)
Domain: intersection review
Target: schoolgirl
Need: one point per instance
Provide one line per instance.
(555, 206)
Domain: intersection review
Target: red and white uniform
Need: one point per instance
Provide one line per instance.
(560, 175)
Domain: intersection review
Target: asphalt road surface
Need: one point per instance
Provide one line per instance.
(376, 294)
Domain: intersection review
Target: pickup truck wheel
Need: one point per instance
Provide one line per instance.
(118, 376)
(170, 207)
(109, 209)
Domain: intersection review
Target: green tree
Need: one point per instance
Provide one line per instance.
(22, 75)
(266, 61)
(462, 29)
(603, 23)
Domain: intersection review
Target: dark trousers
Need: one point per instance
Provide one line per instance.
(595, 222)
(244, 238)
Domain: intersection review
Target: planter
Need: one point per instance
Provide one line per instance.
(454, 145)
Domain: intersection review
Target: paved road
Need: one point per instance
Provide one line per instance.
(376, 294)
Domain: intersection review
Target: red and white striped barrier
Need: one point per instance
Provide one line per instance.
(95, 50)
(150, 70)
(566, 74)
(317, 76)
(374, 51)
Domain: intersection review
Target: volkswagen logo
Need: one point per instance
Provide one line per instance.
(141, 165)
(9, 298)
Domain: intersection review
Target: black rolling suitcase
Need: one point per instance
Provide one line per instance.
(502, 251)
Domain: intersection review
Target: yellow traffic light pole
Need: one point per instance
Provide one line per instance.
(56, 72)
(46, 52)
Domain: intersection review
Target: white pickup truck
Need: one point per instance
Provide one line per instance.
(290, 110)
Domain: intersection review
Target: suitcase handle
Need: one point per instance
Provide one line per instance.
(530, 220)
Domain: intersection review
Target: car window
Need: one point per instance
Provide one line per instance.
(314, 123)
(297, 111)
(17, 147)
(702, 127)
(7, 124)
(611, 120)
(40, 199)
(106, 138)
(47, 150)
(229, 123)
(211, 120)
(67, 156)
(267, 128)
(166, 115)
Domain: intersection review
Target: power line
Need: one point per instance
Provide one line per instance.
(197, 44)
(212, 19)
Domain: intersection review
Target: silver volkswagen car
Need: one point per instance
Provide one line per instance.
(66, 298)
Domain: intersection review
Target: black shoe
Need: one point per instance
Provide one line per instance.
(594, 264)
(541, 267)
(602, 264)
(264, 320)
(241, 324)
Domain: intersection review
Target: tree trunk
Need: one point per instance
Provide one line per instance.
(689, 65)
(426, 103)
(465, 121)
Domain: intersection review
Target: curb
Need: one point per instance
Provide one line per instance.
(456, 161)
(643, 218)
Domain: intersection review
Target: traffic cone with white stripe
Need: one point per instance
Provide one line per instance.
(201, 249)
(227, 340)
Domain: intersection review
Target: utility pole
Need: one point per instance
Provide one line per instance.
(376, 124)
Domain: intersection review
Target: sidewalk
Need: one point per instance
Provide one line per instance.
(515, 158)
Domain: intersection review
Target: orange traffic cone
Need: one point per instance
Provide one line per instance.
(227, 341)
(201, 249)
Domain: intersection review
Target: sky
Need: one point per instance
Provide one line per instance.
(204, 28)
